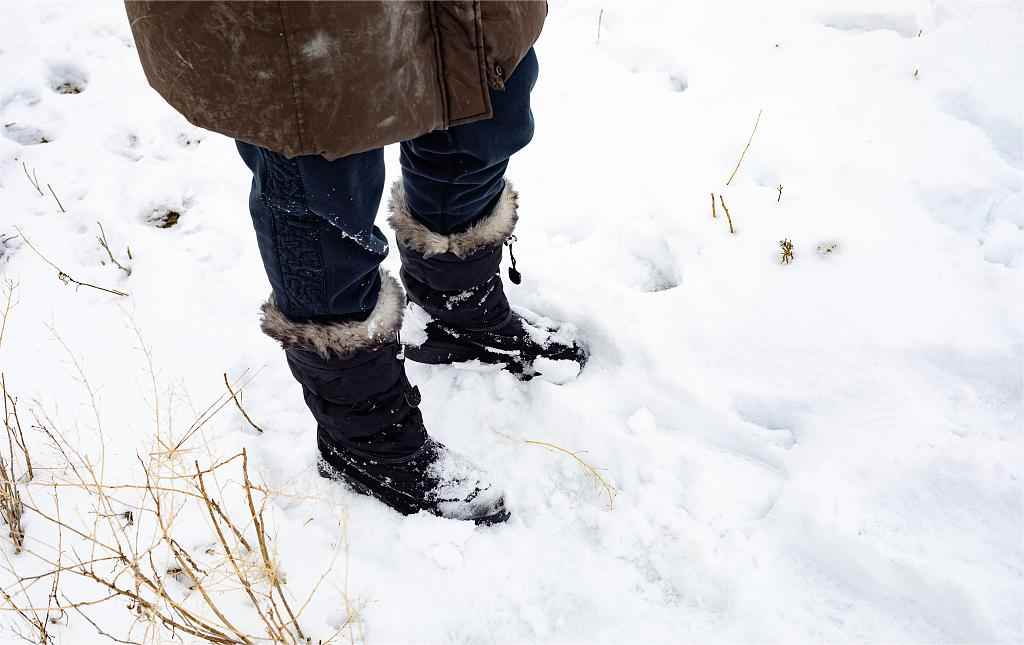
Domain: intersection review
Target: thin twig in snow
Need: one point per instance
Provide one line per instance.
(728, 215)
(97, 627)
(9, 287)
(32, 179)
(608, 488)
(106, 247)
(745, 148)
(14, 430)
(238, 404)
(61, 275)
(273, 575)
(56, 198)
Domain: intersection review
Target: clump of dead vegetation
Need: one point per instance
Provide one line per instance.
(182, 550)
(786, 255)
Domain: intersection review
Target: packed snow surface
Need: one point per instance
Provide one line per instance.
(828, 450)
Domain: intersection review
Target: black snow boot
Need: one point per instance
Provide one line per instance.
(370, 431)
(455, 281)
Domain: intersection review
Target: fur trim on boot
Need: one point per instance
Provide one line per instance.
(340, 339)
(491, 230)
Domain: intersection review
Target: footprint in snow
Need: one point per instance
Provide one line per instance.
(1006, 138)
(678, 82)
(659, 270)
(724, 484)
(8, 244)
(776, 421)
(67, 78)
(727, 488)
(124, 143)
(164, 216)
(903, 24)
(19, 103)
(25, 134)
(190, 138)
(27, 98)
(660, 277)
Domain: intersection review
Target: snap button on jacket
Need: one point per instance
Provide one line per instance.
(331, 78)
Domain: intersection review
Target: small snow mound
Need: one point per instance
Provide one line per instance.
(557, 372)
(642, 422)
(827, 248)
(903, 24)
(414, 325)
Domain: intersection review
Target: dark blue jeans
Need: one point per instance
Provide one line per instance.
(314, 218)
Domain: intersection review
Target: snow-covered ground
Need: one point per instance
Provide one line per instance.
(825, 451)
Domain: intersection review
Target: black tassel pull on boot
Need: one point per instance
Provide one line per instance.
(456, 280)
(513, 274)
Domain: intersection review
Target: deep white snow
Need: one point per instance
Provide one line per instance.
(825, 451)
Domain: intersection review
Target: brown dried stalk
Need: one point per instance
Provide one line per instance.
(714, 212)
(272, 628)
(32, 179)
(56, 199)
(257, 522)
(745, 148)
(149, 598)
(11, 507)
(61, 275)
(9, 303)
(238, 404)
(786, 247)
(187, 565)
(105, 245)
(728, 215)
(211, 411)
(12, 423)
(98, 629)
(609, 489)
(37, 624)
(174, 616)
(126, 566)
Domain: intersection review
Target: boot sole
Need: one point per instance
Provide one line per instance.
(433, 352)
(446, 347)
(490, 520)
(352, 481)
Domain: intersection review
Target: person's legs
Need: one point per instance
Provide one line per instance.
(338, 318)
(453, 178)
(314, 225)
(334, 311)
(452, 212)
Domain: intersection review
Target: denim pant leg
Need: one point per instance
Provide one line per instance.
(454, 177)
(314, 225)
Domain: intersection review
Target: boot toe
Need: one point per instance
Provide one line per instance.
(487, 508)
(462, 491)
